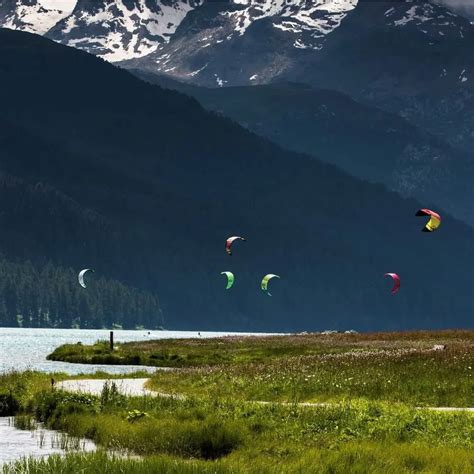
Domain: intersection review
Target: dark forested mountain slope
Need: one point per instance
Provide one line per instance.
(154, 184)
(33, 295)
(365, 141)
(41, 224)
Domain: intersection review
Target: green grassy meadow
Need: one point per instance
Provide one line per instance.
(372, 385)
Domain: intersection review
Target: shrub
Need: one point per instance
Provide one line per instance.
(9, 405)
(211, 439)
(51, 406)
(214, 440)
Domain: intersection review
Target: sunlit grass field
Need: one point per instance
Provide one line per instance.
(372, 386)
(233, 350)
(416, 376)
(397, 367)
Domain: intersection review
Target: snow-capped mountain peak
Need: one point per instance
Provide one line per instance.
(121, 29)
(185, 37)
(113, 29)
(317, 17)
(34, 16)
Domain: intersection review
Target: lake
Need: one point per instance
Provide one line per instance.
(24, 348)
(16, 444)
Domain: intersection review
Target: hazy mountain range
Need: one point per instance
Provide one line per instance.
(364, 140)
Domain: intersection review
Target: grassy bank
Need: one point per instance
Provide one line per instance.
(397, 367)
(376, 381)
(355, 458)
(234, 350)
(205, 435)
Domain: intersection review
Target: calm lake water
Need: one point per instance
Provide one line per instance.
(23, 349)
(16, 444)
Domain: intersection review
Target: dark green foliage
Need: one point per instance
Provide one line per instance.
(213, 439)
(51, 407)
(44, 405)
(9, 405)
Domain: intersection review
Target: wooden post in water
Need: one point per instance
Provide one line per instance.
(111, 340)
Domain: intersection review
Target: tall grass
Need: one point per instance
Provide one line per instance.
(16, 389)
(207, 429)
(354, 458)
(25, 422)
(412, 376)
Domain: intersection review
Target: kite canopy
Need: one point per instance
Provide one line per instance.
(80, 277)
(230, 279)
(396, 281)
(433, 223)
(265, 281)
(230, 241)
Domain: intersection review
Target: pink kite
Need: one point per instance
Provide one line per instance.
(228, 243)
(396, 282)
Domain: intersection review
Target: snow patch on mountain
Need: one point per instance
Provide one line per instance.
(116, 30)
(37, 16)
(197, 71)
(317, 17)
(417, 13)
(220, 82)
(435, 19)
(127, 30)
(463, 77)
